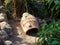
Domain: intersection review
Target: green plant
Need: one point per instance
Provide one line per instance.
(50, 34)
(37, 8)
(52, 7)
(15, 8)
(9, 8)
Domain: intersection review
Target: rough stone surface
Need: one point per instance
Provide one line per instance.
(6, 27)
(2, 17)
(3, 35)
(8, 42)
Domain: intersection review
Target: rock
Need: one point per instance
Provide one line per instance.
(23, 44)
(3, 35)
(41, 22)
(2, 42)
(2, 17)
(1, 7)
(5, 26)
(8, 42)
(2, 14)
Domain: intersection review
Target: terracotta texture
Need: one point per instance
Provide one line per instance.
(28, 22)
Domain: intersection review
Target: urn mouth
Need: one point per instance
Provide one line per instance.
(32, 32)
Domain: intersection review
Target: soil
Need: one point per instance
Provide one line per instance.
(19, 37)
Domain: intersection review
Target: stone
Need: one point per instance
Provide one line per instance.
(2, 17)
(8, 42)
(2, 42)
(3, 35)
(5, 26)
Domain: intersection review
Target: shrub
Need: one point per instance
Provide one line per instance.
(49, 34)
(53, 8)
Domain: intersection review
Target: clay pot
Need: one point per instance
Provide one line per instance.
(29, 23)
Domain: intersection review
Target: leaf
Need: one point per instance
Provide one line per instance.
(7, 1)
(55, 42)
(48, 1)
(57, 7)
(51, 1)
(52, 32)
(57, 11)
(57, 2)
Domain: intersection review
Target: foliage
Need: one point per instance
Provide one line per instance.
(44, 8)
(52, 7)
(49, 34)
(15, 7)
(9, 7)
(37, 8)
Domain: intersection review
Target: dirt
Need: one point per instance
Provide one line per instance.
(19, 37)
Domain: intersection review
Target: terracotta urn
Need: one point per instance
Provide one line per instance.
(29, 22)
